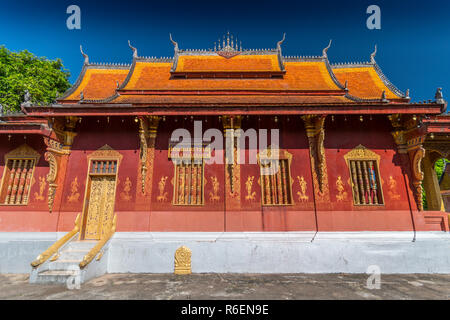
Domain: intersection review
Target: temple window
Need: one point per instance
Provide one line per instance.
(365, 176)
(103, 167)
(188, 183)
(18, 175)
(275, 179)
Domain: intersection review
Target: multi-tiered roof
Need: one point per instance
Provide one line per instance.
(231, 77)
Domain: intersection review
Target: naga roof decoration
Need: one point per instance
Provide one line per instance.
(231, 75)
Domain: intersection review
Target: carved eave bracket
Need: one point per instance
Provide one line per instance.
(315, 131)
(409, 137)
(148, 129)
(57, 148)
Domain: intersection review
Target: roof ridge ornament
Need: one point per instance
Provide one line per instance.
(279, 43)
(135, 55)
(372, 55)
(175, 44)
(324, 51)
(383, 97)
(86, 57)
(27, 98)
(439, 96)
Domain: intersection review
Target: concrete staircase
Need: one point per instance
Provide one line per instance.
(66, 268)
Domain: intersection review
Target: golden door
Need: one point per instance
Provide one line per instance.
(101, 207)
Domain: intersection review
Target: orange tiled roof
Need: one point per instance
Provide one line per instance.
(300, 76)
(98, 83)
(239, 63)
(364, 82)
(203, 99)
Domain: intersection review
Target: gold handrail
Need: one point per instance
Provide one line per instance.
(44, 256)
(91, 255)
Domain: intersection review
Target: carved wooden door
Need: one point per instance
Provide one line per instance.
(100, 207)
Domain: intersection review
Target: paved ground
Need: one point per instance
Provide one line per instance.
(233, 286)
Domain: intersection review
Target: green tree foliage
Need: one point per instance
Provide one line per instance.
(20, 71)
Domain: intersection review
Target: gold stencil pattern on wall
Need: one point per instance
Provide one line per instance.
(125, 194)
(74, 194)
(393, 194)
(302, 197)
(42, 183)
(214, 196)
(249, 185)
(162, 186)
(342, 194)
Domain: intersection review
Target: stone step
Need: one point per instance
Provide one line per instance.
(55, 276)
(81, 245)
(64, 264)
(72, 255)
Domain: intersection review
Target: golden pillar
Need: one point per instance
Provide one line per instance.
(431, 183)
(59, 145)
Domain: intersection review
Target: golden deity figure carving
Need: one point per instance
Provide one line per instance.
(183, 260)
(42, 183)
(74, 194)
(302, 193)
(214, 196)
(393, 189)
(249, 185)
(125, 195)
(161, 186)
(342, 195)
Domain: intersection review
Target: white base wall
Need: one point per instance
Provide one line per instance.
(252, 252)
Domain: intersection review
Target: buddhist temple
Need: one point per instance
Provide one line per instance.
(94, 172)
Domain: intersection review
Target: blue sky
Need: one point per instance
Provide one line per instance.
(413, 43)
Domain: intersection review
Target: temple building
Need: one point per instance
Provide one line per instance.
(95, 170)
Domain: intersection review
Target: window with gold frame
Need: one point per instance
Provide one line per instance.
(275, 178)
(17, 176)
(364, 170)
(188, 183)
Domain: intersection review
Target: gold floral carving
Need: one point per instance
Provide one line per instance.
(183, 260)
(214, 196)
(393, 194)
(302, 197)
(361, 153)
(162, 186)
(231, 124)
(106, 152)
(74, 194)
(148, 127)
(24, 151)
(51, 178)
(125, 194)
(342, 194)
(42, 184)
(249, 185)
(418, 175)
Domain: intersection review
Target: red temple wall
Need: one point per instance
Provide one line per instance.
(155, 212)
(340, 213)
(35, 215)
